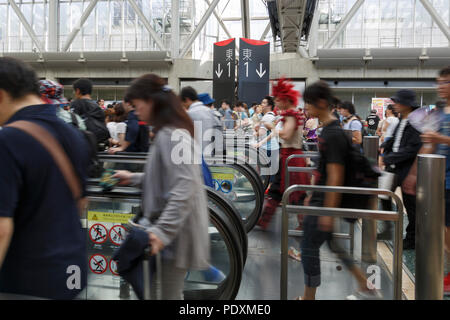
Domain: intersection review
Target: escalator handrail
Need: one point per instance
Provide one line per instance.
(233, 213)
(259, 194)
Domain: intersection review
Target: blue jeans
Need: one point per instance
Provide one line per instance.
(313, 239)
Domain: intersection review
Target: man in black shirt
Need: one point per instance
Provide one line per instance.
(372, 120)
(332, 170)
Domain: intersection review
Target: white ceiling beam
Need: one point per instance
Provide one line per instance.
(266, 31)
(220, 20)
(437, 18)
(245, 10)
(199, 28)
(344, 23)
(175, 27)
(79, 25)
(26, 25)
(147, 25)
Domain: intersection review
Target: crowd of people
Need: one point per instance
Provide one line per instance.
(43, 183)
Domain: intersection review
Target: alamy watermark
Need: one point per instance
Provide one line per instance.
(218, 147)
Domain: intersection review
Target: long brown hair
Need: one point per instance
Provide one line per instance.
(120, 114)
(167, 109)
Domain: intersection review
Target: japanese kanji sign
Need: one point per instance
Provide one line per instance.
(224, 72)
(254, 63)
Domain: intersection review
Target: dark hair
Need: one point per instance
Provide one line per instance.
(391, 108)
(84, 85)
(347, 105)
(225, 101)
(445, 72)
(120, 113)
(188, 93)
(254, 104)
(270, 101)
(318, 91)
(109, 114)
(240, 104)
(336, 102)
(167, 109)
(18, 78)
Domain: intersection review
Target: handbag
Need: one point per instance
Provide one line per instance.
(58, 154)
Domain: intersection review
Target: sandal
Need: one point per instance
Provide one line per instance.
(294, 254)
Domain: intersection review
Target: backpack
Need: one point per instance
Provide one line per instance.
(142, 140)
(94, 118)
(95, 168)
(363, 174)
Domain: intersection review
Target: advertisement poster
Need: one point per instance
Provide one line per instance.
(380, 105)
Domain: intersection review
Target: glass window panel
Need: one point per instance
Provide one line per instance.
(257, 28)
(405, 23)
(230, 8)
(258, 8)
(423, 25)
(3, 27)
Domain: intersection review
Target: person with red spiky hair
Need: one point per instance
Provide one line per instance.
(290, 132)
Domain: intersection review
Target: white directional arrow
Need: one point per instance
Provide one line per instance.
(219, 71)
(261, 73)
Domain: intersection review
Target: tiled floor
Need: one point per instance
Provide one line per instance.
(262, 270)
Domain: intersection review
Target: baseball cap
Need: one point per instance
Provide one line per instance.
(205, 98)
(52, 92)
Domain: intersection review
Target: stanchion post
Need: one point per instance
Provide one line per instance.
(430, 208)
(369, 227)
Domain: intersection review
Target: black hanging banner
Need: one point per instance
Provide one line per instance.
(254, 64)
(224, 72)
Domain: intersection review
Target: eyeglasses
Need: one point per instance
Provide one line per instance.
(442, 83)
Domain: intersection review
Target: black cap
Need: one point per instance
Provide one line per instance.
(405, 97)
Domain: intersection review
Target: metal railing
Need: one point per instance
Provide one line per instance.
(296, 233)
(396, 217)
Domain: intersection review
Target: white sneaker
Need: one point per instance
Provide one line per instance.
(366, 295)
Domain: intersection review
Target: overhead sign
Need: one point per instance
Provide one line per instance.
(224, 72)
(254, 69)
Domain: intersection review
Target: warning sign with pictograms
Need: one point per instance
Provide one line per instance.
(113, 267)
(117, 234)
(98, 263)
(98, 233)
(110, 217)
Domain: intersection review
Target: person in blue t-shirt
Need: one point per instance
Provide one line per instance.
(227, 114)
(42, 242)
(131, 143)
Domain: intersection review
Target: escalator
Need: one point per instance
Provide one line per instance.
(109, 212)
(240, 184)
(234, 179)
(256, 158)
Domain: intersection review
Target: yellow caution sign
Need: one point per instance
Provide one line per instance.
(222, 173)
(110, 217)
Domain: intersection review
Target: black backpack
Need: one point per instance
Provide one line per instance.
(363, 174)
(142, 141)
(95, 168)
(94, 118)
